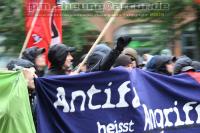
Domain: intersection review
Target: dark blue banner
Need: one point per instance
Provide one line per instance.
(119, 101)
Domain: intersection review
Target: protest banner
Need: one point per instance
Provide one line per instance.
(119, 101)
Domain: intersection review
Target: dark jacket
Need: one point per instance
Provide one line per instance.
(55, 71)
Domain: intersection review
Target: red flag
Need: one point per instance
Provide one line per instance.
(56, 26)
(47, 23)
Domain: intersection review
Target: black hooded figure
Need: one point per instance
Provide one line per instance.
(57, 55)
(95, 59)
(103, 58)
(31, 54)
(158, 64)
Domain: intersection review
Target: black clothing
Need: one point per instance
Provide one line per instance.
(57, 55)
(55, 71)
(106, 61)
(158, 64)
(103, 57)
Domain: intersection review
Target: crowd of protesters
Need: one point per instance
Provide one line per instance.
(103, 58)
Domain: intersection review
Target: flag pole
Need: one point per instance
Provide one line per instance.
(99, 37)
(31, 28)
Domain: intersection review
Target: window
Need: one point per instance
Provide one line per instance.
(189, 45)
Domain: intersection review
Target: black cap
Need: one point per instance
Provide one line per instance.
(32, 53)
(183, 64)
(17, 64)
(68, 48)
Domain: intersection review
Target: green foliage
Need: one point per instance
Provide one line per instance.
(74, 33)
(167, 17)
(12, 23)
(163, 32)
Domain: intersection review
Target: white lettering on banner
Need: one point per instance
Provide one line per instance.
(198, 113)
(178, 119)
(123, 90)
(61, 101)
(116, 127)
(76, 94)
(108, 103)
(159, 118)
(136, 100)
(187, 108)
(154, 118)
(90, 94)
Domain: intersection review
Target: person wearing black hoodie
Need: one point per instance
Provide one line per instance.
(103, 58)
(60, 58)
(94, 60)
(35, 55)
